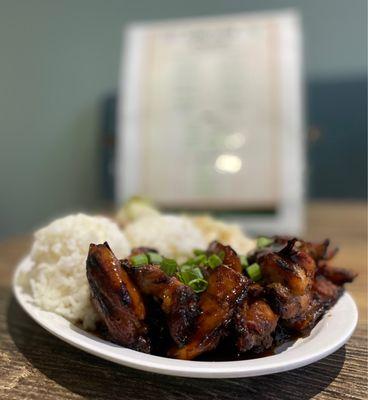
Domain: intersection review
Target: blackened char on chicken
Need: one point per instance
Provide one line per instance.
(116, 299)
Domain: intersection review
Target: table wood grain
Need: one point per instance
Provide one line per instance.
(36, 365)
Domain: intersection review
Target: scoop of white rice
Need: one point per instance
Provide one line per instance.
(58, 279)
(172, 236)
(133, 209)
(228, 234)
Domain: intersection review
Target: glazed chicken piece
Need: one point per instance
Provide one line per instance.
(324, 295)
(326, 292)
(300, 292)
(285, 303)
(289, 276)
(254, 320)
(322, 255)
(318, 251)
(116, 299)
(292, 269)
(254, 323)
(306, 320)
(227, 254)
(178, 301)
(225, 288)
(338, 276)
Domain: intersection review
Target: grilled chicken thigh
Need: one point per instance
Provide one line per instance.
(254, 323)
(225, 288)
(338, 276)
(178, 301)
(293, 269)
(227, 254)
(318, 251)
(324, 295)
(300, 285)
(289, 275)
(116, 299)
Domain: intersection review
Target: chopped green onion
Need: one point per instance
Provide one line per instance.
(192, 276)
(254, 272)
(184, 270)
(199, 252)
(154, 258)
(139, 259)
(187, 273)
(214, 261)
(263, 242)
(185, 267)
(221, 254)
(196, 271)
(190, 261)
(198, 285)
(243, 261)
(201, 259)
(198, 260)
(169, 266)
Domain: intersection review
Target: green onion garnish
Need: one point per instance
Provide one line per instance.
(243, 261)
(221, 254)
(254, 272)
(214, 261)
(192, 276)
(154, 258)
(196, 271)
(201, 259)
(190, 261)
(198, 285)
(199, 252)
(169, 266)
(139, 259)
(263, 242)
(187, 273)
(178, 275)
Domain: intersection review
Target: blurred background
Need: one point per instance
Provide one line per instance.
(59, 71)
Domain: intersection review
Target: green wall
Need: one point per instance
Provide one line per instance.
(58, 59)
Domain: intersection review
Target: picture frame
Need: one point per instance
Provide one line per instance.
(146, 117)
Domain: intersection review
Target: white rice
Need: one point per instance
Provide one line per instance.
(228, 234)
(58, 280)
(172, 236)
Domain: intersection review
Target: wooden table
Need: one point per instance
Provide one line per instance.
(36, 365)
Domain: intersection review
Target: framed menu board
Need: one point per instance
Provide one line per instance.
(210, 117)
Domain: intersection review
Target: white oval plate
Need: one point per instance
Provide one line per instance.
(328, 335)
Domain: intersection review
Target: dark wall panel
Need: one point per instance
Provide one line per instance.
(337, 153)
